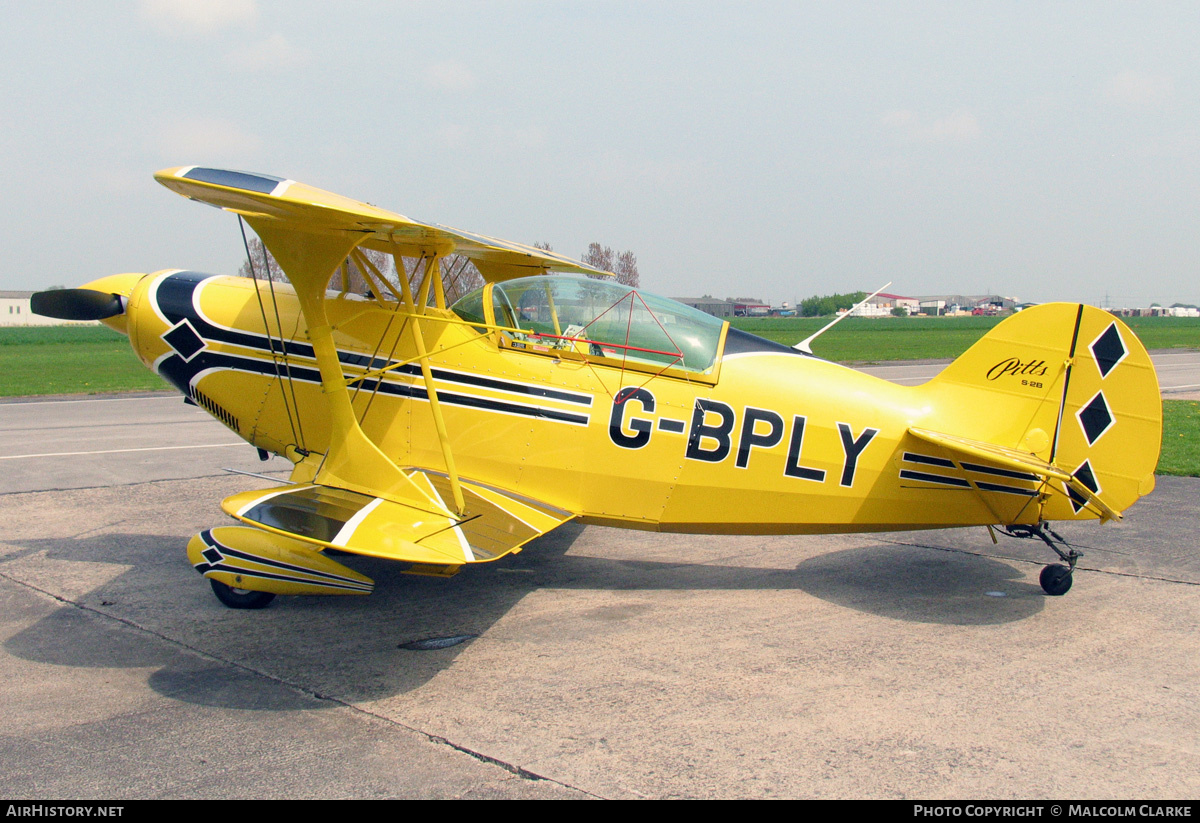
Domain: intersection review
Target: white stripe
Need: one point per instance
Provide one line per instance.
(466, 547)
(123, 451)
(157, 364)
(152, 294)
(462, 538)
(282, 288)
(347, 531)
(415, 381)
(526, 396)
(266, 497)
(438, 497)
(487, 494)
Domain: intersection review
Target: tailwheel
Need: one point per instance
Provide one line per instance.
(243, 598)
(1056, 580)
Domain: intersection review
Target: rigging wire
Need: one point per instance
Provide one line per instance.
(401, 272)
(287, 366)
(270, 340)
(378, 345)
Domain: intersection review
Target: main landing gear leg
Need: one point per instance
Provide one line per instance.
(1056, 579)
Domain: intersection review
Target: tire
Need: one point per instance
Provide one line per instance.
(240, 598)
(1056, 580)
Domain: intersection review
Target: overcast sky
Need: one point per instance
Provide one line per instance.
(776, 150)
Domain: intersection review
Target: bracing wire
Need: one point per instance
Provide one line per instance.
(287, 365)
(367, 268)
(270, 340)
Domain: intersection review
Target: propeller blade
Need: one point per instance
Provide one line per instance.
(77, 304)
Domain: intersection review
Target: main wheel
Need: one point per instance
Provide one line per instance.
(240, 598)
(1056, 580)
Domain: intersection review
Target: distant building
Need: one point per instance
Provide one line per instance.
(1158, 311)
(881, 305)
(963, 304)
(749, 307)
(15, 311)
(710, 305)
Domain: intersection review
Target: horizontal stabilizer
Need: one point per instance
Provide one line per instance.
(495, 523)
(310, 209)
(1000, 459)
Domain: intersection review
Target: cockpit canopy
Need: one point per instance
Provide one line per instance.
(596, 319)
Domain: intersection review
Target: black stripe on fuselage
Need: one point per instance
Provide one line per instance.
(503, 385)
(929, 460)
(175, 299)
(180, 374)
(975, 467)
(908, 474)
(1000, 487)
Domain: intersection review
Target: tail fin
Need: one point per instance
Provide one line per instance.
(1070, 385)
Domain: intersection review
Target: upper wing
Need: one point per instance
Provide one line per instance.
(312, 209)
(360, 500)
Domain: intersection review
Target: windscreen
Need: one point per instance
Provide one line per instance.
(602, 319)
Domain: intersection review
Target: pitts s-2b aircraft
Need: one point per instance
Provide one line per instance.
(445, 435)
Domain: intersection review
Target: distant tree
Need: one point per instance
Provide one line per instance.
(627, 270)
(899, 311)
(829, 304)
(623, 265)
(261, 263)
(460, 277)
(459, 273)
(598, 257)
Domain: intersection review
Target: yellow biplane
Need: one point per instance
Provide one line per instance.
(445, 435)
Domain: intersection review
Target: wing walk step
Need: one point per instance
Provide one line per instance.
(496, 522)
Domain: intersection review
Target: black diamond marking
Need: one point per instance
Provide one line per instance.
(1085, 476)
(184, 339)
(1095, 418)
(212, 555)
(1108, 349)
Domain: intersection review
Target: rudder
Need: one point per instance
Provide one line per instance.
(1072, 385)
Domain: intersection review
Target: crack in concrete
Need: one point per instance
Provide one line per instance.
(512, 768)
(1011, 559)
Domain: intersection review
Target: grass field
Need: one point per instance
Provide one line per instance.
(866, 340)
(70, 360)
(1181, 439)
(96, 360)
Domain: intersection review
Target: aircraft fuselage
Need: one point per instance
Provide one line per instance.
(767, 441)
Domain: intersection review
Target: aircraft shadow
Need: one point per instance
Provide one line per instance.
(351, 647)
